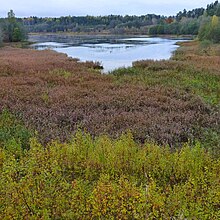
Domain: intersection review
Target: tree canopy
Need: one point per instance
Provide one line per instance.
(202, 22)
(183, 23)
(210, 29)
(12, 29)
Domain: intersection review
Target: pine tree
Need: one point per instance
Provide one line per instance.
(13, 30)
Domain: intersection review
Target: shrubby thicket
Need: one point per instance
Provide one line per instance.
(103, 178)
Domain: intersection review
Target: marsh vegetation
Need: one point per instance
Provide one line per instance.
(141, 142)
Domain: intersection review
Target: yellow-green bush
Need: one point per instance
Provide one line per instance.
(108, 179)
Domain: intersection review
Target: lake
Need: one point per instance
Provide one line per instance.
(111, 51)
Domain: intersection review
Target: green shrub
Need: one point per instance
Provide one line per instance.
(109, 179)
(13, 135)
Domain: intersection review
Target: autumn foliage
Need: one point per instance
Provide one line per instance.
(55, 95)
(108, 179)
(140, 143)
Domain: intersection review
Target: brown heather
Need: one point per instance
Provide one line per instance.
(189, 56)
(202, 57)
(55, 95)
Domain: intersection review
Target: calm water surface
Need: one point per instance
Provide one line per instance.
(111, 51)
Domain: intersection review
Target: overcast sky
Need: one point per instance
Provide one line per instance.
(51, 8)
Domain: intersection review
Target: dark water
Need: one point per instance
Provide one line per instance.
(111, 51)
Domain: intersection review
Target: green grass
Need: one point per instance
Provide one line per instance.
(61, 72)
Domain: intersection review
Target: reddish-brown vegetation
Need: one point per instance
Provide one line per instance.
(202, 57)
(55, 95)
(15, 60)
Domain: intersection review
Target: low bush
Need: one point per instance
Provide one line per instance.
(158, 101)
(104, 178)
(13, 134)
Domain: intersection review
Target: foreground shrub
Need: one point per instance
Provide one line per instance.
(13, 134)
(105, 178)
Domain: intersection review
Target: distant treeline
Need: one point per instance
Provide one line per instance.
(187, 22)
(183, 23)
(115, 24)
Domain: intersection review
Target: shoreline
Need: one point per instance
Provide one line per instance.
(109, 34)
(108, 58)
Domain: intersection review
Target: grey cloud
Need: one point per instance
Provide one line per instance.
(97, 7)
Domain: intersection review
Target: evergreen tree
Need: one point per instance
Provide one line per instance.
(11, 25)
(13, 30)
(17, 35)
(217, 13)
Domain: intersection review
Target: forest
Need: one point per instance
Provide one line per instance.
(183, 23)
(193, 22)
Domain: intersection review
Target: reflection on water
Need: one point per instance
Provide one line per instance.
(111, 51)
